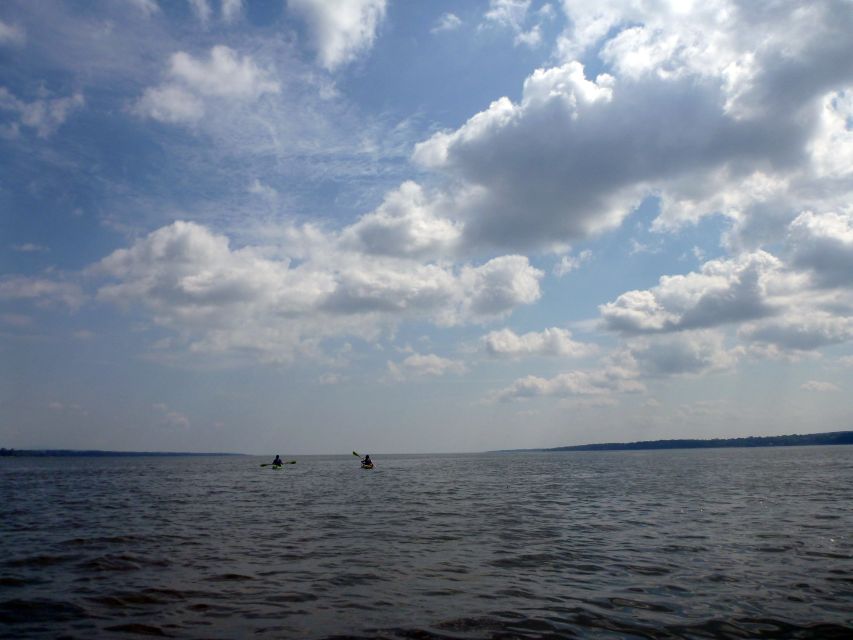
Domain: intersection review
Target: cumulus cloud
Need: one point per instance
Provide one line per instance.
(192, 81)
(694, 352)
(819, 386)
(725, 108)
(45, 115)
(447, 22)
(339, 30)
(800, 329)
(405, 224)
(242, 300)
(598, 382)
(554, 341)
(724, 291)
(823, 245)
(421, 365)
(11, 34)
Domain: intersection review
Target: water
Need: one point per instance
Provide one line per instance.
(661, 544)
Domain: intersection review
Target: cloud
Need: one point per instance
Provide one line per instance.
(41, 291)
(231, 9)
(30, 247)
(339, 30)
(599, 382)
(567, 264)
(45, 115)
(447, 22)
(819, 386)
(277, 303)
(725, 108)
(166, 417)
(258, 188)
(148, 7)
(225, 75)
(202, 10)
(11, 35)
(550, 342)
(823, 245)
(169, 103)
(421, 365)
(497, 287)
(514, 15)
(405, 224)
(724, 291)
(694, 352)
(800, 329)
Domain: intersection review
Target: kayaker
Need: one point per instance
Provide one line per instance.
(277, 462)
(367, 461)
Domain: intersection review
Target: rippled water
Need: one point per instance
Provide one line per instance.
(661, 544)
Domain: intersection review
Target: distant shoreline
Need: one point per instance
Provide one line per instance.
(94, 453)
(829, 438)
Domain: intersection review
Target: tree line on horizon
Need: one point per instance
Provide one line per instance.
(794, 440)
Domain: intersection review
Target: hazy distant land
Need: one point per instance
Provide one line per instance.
(833, 437)
(74, 453)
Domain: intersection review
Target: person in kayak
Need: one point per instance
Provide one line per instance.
(277, 462)
(367, 462)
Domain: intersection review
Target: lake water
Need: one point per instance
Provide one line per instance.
(726, 543)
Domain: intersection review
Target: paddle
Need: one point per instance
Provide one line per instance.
(356, 454)
(270, 464)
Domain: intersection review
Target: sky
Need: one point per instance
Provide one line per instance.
(312, 226)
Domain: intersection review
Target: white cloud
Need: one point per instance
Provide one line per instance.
(567, 263)
(258, 188)
(801, 328)
(710, 108)
(694, 352)
(497, 287)
(231, 9)
(11, 34)
(169, 103)
(600, 382)
(45, 115)
(41, 291)
(447, 22)
(30, 247)
(202, 10)
(510, 13)
(819, 386)
(724, 291)
(339, 30)
(148, 7)
(225, 75)
(421, 365)
(405, 224)
(219, 299)
(823, 244)
(550, 342)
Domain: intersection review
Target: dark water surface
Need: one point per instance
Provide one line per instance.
(729, 543)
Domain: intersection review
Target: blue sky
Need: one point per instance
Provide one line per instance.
(310, 226)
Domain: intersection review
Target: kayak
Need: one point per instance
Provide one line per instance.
(367, 466)
(278, 466)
